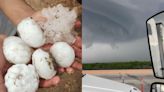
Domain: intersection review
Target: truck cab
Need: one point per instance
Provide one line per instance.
(92, 83)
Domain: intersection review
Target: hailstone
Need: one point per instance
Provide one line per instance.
(43, 64)
(21, 78)
(63, 54)
(59, 24)
(16, 51)
(31, 33)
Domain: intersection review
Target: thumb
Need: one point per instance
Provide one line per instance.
(51, 82)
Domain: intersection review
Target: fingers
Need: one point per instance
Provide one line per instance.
(77, 65)
(78, 52)
(77, 46)
(61, 69)
(38, 17)
(46, 47)
(48, 83)
(78, 24)
(78, 42)
(70, 70)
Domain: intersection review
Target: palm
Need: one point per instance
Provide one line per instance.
(77, 46)
(4, 65)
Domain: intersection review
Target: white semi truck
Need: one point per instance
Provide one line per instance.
(156, 44)
(92, 83)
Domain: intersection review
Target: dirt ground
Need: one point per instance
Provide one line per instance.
(129, 71)
(69, 83)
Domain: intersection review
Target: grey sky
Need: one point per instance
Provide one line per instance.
(115, 30)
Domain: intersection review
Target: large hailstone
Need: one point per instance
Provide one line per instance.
(31, 33)
(21, 78)
(16, 51)
(63, 54)
(43, 64)
(59, 24)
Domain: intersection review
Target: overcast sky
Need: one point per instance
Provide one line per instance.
(115, 30)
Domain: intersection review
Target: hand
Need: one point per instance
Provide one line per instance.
(77, 46)
(25, 11)
(4, 65)
(76, 65)
(2, 86)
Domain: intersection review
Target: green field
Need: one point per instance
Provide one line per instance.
(118, 65)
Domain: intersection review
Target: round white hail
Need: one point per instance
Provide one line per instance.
(60, 22)
(63, 54)
(31, 33)
(21, 78)
(16, 51)
(43, 64)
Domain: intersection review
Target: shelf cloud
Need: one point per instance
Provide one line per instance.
(113, 26)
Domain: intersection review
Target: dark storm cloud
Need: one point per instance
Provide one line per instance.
(115, 30)
(113, 21)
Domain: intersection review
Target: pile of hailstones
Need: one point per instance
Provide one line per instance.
(24, 77)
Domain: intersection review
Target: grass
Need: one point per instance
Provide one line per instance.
(118, 65)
